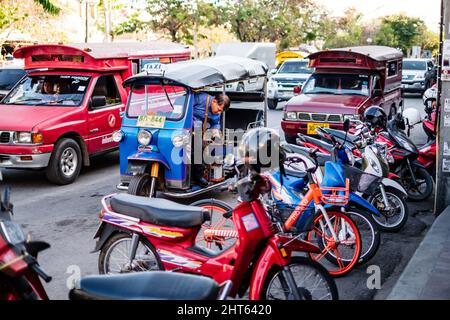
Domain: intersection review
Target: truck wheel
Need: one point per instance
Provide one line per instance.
(272, 104)
(65, 162)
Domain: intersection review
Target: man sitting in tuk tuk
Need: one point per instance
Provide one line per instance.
(207, 115)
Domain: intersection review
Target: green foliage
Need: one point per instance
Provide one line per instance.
(344, 31)
(400, 31)
(48, 6)
(288, 22)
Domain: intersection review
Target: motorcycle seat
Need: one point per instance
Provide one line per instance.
(159, 211)
(150, 285)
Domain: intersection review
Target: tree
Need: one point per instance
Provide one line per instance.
(344, 31)
(400, 31)
(288, 22)
(48, 6)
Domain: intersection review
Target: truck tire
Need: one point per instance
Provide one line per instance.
(272, 104)
(65, 162)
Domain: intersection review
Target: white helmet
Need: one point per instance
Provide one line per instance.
(430, 95)
(412, 115)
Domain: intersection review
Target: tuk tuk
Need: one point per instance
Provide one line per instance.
(157, 135)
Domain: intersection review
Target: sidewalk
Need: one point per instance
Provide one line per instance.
(427, 275)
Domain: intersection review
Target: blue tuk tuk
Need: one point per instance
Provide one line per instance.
(156, 137)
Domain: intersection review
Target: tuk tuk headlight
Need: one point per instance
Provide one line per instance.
(180, 140)
(117, 136)
(144, 137)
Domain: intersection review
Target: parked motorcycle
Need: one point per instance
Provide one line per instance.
(387, 195)
(20, 274)
(138, 234)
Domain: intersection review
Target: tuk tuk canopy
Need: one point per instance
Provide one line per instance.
(201, 73)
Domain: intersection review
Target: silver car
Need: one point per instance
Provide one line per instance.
(418, 75)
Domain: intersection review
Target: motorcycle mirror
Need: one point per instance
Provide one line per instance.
(346, 125)
(34, 247)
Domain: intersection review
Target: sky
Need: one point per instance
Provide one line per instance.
(427, 10)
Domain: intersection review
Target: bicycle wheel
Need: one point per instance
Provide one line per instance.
(218, 221)
(312, 280)
(345, 252)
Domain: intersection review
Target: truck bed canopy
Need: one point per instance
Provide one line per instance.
(365, 57)
(201, 73)
(95, 56)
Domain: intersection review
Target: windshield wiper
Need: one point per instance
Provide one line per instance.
(167, 96)
(25, 100)
(324, 92)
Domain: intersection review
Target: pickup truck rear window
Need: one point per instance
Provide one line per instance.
(337, 84)
(49, 90)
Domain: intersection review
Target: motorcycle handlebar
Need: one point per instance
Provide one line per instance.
(36, 268)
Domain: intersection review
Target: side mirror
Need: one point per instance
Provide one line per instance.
(346, 125)
(273, 71)
(98, 101)
(377, 93)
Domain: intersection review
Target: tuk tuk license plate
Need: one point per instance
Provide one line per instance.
(311, 127)
(151, 121)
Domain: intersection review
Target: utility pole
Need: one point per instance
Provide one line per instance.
(442, 193)
(86, 2)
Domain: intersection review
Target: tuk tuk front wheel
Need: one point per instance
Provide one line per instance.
(141, 185)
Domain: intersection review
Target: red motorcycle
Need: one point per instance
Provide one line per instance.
(19, 270)
(138, 234)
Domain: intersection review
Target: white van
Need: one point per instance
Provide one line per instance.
(261, 51)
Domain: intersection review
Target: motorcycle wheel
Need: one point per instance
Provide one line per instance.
(116, 252)
(311, 278)
(369, 232)
(140, 185)
(425, 180)
(342, 256)
(216, 209)
(398, 215)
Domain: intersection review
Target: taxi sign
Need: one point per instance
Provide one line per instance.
(154, 68)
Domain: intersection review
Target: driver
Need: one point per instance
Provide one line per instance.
(207, 114)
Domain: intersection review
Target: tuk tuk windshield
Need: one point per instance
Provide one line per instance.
(337, 84)
(49, 90)
(157, 99)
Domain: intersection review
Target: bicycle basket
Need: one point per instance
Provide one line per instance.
(361, 181)
(336, 195)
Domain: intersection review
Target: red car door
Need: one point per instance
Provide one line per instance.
(105, 107)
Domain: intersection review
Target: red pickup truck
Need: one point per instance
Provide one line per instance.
(67, 107)
(344, 84)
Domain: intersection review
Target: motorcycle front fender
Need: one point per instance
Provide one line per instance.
(394, 184)
(357, 200)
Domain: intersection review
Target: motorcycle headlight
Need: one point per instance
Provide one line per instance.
(291, 115)
(117, 136)
(374, 165)
(12, 232)
(180, 140)
(144, 137)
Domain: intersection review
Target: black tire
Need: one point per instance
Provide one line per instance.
(321, 273)
(272, 104)
(398, 199)
(369, 232)
(240, 87)
(420, 174)
(290, 139)
(122, 236)
(65, 162)
(140, 185)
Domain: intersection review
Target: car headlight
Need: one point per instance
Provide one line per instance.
(352, 117)
(291, 115)
(272, 83)
(12, 232)
(144, 137)
(180, 140)
(118, 135)
(28, 137)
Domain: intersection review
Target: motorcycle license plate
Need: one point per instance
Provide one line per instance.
(311, 127)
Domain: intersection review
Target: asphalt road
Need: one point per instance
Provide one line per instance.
(67, 218)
